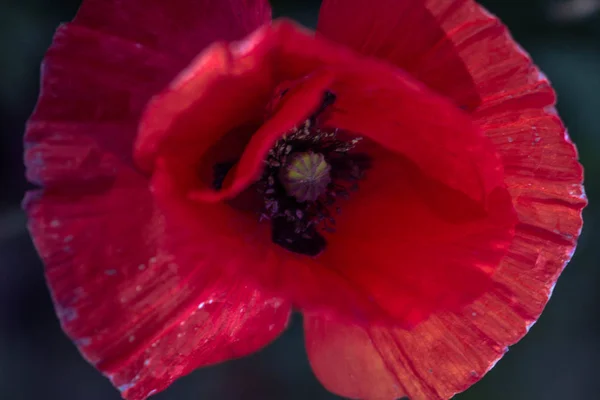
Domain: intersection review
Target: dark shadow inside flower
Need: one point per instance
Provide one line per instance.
(222, 155)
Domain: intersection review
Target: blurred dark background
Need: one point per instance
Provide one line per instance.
(557, 360)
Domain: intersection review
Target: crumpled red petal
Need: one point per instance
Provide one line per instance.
(512, 102)
(428, 248)
(137, 315)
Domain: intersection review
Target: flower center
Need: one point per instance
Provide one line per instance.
(306, 172)
(305, 176)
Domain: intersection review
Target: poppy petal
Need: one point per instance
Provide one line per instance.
(134, 313)
(424, 363)
(451, 350)
(429, 248)
(447, 53)
(395, 111)
(233, 83)
(178, 28)
(386, 30)
(108, 256)
(369, 95)
(448, 352)
(92, 91)
(103, 67)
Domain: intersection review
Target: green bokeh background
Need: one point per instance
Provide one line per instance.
(557, 360)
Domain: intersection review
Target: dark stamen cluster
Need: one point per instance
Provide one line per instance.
(306, 172)
(296, 225)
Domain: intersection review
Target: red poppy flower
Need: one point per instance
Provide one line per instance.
(400, 177)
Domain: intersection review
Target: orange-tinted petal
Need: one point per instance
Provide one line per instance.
(512, 103)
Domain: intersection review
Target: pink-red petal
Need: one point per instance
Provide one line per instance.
(139, 317)
(512, 103)
(135, 313)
